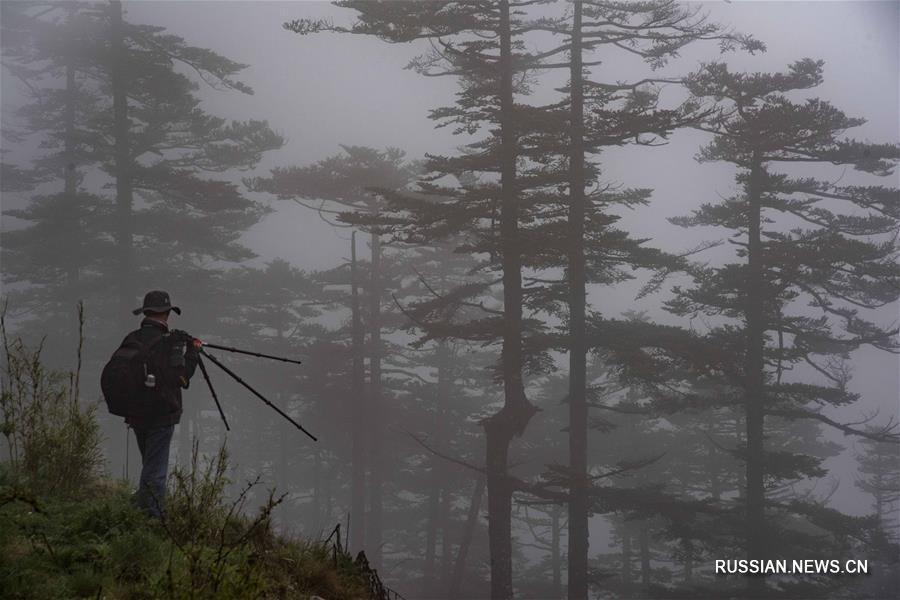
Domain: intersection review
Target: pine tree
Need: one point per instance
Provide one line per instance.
(49, 48)
(487, 63)
(342, 181)
(165, 147)
(156, 145)
(879, 466)
(879, 478)
(470, 209)
(798, 239)
(602, 115)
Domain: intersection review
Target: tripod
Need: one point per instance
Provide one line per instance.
(234, 376)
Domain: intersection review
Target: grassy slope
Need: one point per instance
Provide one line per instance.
(101, 547)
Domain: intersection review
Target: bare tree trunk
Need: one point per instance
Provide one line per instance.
(124, 193)
(512, 419)
(358, 415)
(437, 492)
(756, 537)
(626, 560)
(880, 489)
(428, 585)
(578, 499)
(317, 488)
(376, 412)
(328, 490)
(644, 538)
(283, 458)
(498, 439)
(471, 520)
(446, 545)
(431, 537)
(556, 551)
(71, 178)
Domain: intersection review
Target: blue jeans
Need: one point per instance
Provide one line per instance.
(154, 446)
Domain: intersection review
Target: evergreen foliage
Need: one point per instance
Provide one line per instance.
(798, 240)
(165, 156)
(487, 426)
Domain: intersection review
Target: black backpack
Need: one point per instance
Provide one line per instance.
(123, 379)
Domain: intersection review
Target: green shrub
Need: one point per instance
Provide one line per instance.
(219, 548)
(53, 440)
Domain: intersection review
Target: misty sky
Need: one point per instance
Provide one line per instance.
(320, 91)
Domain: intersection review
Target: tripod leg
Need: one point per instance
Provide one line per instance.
(212, 391)
(251, 353)
(257, 394)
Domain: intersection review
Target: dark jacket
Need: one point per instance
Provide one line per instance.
(166, 396)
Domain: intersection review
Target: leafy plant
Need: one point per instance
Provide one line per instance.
(52, 437)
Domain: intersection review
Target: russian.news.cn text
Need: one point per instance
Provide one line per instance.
(807, 566)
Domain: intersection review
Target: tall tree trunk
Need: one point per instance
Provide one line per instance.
(71, 178)
(431, 528)
(358, 415)
(644, 538)
(754, 375)
(446, 543)
(498, 437)
(284, 451)
(578, 498)
(437, 492)
(459, 566)
(434, 496)
(880, 489)
(556, 551)
(124, 193)
(317, 488)
(376, 410)
(328, 489)
(626, 559)
(511, 420)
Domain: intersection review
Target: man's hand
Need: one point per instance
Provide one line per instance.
(193, 347)
(191, 356)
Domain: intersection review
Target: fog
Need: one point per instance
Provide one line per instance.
(236, 238)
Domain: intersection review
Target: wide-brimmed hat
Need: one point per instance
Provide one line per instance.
(157, 301)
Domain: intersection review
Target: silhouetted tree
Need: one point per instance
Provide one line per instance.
(133, 114)
(879, 467)
(50, 48)
(342, 182)
(600, 115)
(478, 42)
(797, 239)
(165, 146)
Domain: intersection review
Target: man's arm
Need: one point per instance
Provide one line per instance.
(188, 360)
(191, 358)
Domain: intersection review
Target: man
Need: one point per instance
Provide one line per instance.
(171, 368)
